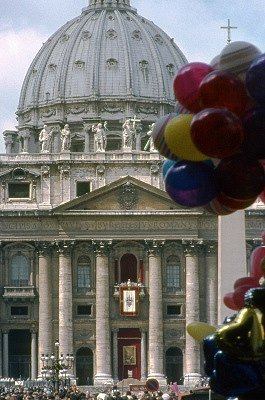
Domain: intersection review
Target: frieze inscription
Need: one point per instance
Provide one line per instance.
(127, 225)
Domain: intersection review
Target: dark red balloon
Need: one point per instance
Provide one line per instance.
(229, 302)
(240, 177)
(186, 84)
(246, 280)
(256, 258)
(254, 126)
(217, 132)
(239, 295)
(222, 89)
(235, 204)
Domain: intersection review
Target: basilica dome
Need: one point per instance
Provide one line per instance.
(108, 62)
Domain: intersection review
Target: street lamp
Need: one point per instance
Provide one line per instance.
(56, 365)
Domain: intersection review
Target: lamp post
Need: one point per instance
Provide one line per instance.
(56, 365)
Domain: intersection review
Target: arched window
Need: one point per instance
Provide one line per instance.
(19, 270)
(172, 274)
(128, 268)
(83, 273)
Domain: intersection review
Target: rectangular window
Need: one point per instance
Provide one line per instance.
(19, 311)
(83, 277)
(82, 187)
(83, 310)
(174, 309)
(172, 277)
(20, 190)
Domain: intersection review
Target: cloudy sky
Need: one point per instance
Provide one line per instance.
(194, 24)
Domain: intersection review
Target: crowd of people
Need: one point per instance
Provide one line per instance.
(74, 393)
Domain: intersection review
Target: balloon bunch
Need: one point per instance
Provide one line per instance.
(215, 145)
(235, 300)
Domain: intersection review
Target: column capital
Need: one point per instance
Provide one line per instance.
(64, 247)
(101, 247)
(154, 247)
(210, 247)
(43, 248)
(192, 246)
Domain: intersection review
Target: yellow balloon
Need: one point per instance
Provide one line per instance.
(177, 137)
(199, 330)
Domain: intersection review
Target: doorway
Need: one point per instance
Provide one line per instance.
(19, 357)
(129, 353)
(84, 366)
(174, 364)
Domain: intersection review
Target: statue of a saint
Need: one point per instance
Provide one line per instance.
(45, 139)
(65, 138)
(150, 141)
(100, 136)
(128, 134)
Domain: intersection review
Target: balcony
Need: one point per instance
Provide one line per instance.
(19, 292)
(128, 285)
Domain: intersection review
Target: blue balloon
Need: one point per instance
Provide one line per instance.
(255, 79)
(210, 348)
(167, 164)
(191, 183)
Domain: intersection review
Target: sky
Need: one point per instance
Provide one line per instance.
(195, 26)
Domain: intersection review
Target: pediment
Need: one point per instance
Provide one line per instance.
(18, 174)
(126, 193)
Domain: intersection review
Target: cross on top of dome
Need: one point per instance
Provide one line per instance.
(109, 3)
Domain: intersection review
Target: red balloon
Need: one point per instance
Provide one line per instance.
(239, 295)
(246, 280)
(222, 89)
(240, 177)
(229, 302)
(217, 132)
(235, 204)
(256, 258)
(186, 84)
(262, 196)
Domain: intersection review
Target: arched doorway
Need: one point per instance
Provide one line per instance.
(174, 364)
(84, 366)
(19, 349)
(128, 268)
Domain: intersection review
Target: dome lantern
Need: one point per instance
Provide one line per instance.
(109, 3)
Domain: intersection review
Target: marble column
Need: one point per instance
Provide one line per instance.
(33, 355)
(155, 344)
(115, 353)
(45, 303)
(103, 348)
(232, 262)
(65, 299)
(192, 350)
(143, 356)
(5, 354)
(211, 283)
